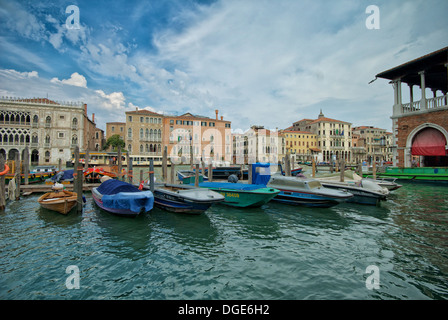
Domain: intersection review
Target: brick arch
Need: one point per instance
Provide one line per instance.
(414, 133)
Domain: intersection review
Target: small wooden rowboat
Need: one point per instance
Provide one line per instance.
(58, 200)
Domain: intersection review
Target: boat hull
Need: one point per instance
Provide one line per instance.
(63, 205)
(244, 199)
(223, 173)
(307, 199)
(119, 212)
(359, 195)
(185, 198)
(419, 174)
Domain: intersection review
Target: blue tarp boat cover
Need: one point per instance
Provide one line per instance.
(261, 173)
(229, 185)
(122, 195)
(113, 186)
(64, 175)
(133, 201)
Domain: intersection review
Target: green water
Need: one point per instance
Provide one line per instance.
(273, 252)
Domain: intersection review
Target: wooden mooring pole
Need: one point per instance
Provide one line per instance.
(17, 176)
(2, 184)
(164, 164)
(78, 181)
(26, 165)
(196, 176)
(120, 167)
(151, 174)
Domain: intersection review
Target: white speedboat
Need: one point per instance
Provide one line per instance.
(306, 192)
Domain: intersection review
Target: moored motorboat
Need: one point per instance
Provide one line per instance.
(94, 175)
(184, 198)
(189, 176)
(64, 177)
(353, 177)
(122, 198)
(242, 194)
(58, 200)
(364, 191)
(306, 192)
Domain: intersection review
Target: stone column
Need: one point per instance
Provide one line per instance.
(423, 105)
(445, 92)
(397, 97)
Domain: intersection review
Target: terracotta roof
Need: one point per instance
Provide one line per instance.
(39, 100)
(302, 132)
(144, 111)
(325, 119)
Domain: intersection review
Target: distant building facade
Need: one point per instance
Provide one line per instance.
(333, 137)
(302, 145)
(258, 145)
(50, 129)
(146, 133)
(143, 133)
(376, 143)
(209, 139)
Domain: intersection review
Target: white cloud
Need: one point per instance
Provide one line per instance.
(114, 101)
(75, 79)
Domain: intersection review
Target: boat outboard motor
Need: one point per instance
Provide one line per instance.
(232, 178)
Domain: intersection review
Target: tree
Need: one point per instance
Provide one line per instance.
(114, 141)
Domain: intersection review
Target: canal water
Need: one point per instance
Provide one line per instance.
(398, 250)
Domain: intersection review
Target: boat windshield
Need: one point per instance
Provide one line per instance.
(314, 184)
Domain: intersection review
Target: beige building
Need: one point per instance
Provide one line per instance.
(302, 145)
(377, 143)
(258, 145)
(208, 138)
(50, 129)
(113, 128)
(143, 133)
(333, 137)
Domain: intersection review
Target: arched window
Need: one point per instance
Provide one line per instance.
(151, 135)
(48, 120)
(141, 148)
(141, 133)
(147, 133)
(74, 140)
(129, 133)
(159, 135)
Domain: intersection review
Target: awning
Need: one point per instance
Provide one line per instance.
(429, 142)
(315, 149)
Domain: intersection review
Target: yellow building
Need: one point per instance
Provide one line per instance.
(302, 144)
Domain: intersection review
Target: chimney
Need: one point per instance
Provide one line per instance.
(93, 117)
(85, 109)
(222, 118)
(216, 111)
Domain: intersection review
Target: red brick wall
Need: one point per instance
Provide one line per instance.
(407, 124)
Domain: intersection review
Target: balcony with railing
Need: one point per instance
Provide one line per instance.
(428, 105)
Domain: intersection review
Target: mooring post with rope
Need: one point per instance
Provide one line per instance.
(4, 169)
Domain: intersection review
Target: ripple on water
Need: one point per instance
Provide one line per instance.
(272, 252)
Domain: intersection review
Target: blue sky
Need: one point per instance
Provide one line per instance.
(261, 62)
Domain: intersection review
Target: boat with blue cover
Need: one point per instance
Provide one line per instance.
(64, 177)
(122, 198)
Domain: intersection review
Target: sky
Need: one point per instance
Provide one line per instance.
(259, 62)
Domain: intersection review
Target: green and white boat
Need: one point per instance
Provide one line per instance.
(418, 174)
(242, 194)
